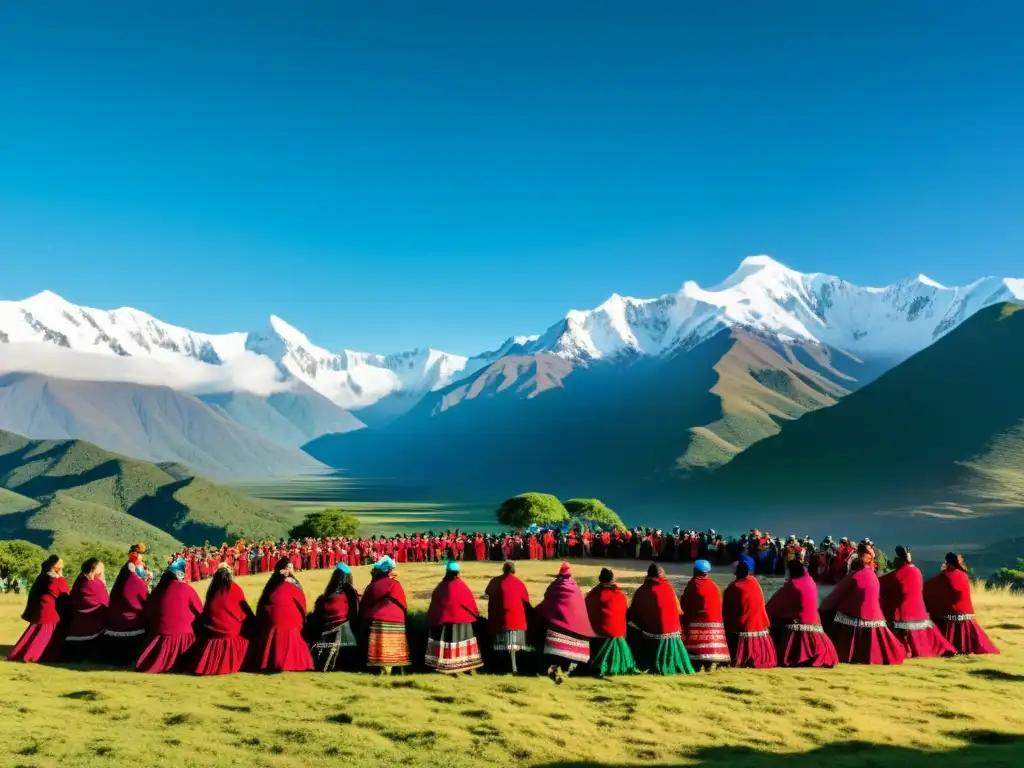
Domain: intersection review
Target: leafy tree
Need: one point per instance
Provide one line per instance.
(1011, 577)
(20, 560)
(881, 561)
(111, 556)
(595, 509)
(529, 508)
(326, 524)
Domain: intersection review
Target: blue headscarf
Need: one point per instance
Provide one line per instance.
(343, 567)
(748, 561)
(452, 566)
(703, 566)
(384, 565)
(178, 565)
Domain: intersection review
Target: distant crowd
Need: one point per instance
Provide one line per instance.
(827, 562)
(865, 619)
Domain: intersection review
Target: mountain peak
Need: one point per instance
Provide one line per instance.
(925, 280)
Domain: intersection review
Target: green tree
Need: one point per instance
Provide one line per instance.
(326, 524)
(881, 561)
(111, 556)
(1011, 577)
(595, 509)
(529, 508)
(20, 560)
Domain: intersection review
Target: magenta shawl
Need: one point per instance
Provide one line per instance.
(565, 607)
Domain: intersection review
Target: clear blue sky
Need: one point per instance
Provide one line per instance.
(450, 173)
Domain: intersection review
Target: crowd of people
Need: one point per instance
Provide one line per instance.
(865, 619)
(828, 562)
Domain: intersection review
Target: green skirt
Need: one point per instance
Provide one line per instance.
(661, 655)
(611, 656)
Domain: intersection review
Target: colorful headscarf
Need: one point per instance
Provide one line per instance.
(384, 565)
(703, 566)
(343, 567)
(452, 566)
(178, 565)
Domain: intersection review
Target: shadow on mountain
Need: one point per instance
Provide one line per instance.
(984, 749)
(165, 511)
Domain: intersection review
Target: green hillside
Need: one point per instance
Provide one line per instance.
(58, 493)
(940, 436)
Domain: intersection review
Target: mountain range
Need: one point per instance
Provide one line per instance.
(626, 398)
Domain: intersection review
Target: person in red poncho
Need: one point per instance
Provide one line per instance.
(126, 617)
(747, 628)
(948, 599)
(800, 639)
(222, 645)
(567, 629)
(655, 627)
(452, 647)
(854, 619)
(46, 606)
(172, 611)
(703, 625)
(280, 615)
(89, 605)
(332, 641)
(607, 607)
(383, 613)
(902, 597)
(508, 602)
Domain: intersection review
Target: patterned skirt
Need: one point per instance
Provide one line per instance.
(453, 648)
(333, 649)
(660, 654)
(387, 646)
(611, 656)
(706, 643)
(511, 640)
(567, 645)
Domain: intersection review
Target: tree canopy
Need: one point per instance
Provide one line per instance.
(111, 556)
(326, 524)
(1011, 577)
(595, 509)
(529, 508)
(20, 560)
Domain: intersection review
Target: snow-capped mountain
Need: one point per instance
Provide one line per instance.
(769, 298)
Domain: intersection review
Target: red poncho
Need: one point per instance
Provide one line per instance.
(42, 606)
(452, 603)
(174, 610)
(127, 603)
(226, 612)
(283, 609)
(701, 602)
(655, 609)
(949, 594)
(796, 602)
(902, 594)
(607, 607)
(743, 606)
(384, 600)
(89, 603)
(564, 607)
(334, 610)
(856, 596)
(507, 603)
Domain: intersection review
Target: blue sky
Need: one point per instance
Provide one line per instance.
(450, 173)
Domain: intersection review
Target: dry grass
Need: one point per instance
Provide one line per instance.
(961, 709)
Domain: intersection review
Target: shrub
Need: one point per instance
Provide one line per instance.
(529, 508)
(595, 509)
(326, 524)
(1008, 576)
(20, 560)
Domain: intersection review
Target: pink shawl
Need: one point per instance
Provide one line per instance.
(565, 607)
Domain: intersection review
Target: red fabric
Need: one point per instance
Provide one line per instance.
(174, 610)
(284, 608)
(507, 602)
(902, 594)
(796, 602)
(564, 607)
(225, 613)
(925, 643)
(805, 649)
(220, 655)
(165, 653)
(966, 637)
(384, 600)
(655, 608)
(40, 642)
(948, 594)
(754, 652)
(607, 607)
(334, 610)
(127, 605)
(42, 608)
(701, 602)
(452, 603)
(866, 645)
(857, 596)
(743, 607)
(281, 647)
(89, 605)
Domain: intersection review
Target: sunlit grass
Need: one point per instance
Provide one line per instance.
(94, 717)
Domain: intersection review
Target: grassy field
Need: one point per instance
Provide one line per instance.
(960, 709)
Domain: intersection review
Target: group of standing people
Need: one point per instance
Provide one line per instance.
(864, 620)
